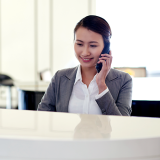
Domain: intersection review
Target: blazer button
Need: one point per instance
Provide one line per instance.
(104, 112)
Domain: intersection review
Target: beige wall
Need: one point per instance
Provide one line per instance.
(65, 19)
(37, 35)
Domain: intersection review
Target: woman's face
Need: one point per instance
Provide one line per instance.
(88, 47)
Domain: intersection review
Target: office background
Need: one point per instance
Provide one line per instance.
(36, 35)
(135, 25)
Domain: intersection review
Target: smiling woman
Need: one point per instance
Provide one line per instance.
(87, 50)
(81, 89)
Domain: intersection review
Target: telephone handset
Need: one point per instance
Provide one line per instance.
(106, 49)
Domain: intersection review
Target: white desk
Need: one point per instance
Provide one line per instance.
(32, 86)
(36, 135)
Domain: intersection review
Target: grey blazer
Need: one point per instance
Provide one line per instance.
(115, 102)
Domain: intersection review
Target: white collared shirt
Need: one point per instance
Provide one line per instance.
(82, 99)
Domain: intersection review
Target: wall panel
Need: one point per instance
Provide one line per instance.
(65, 16)
(43, 34)
(0, 36)
(37, 35)
(17, 39)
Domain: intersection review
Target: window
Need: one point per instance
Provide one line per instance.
(135, 29)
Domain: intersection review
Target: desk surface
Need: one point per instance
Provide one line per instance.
(35, 134)
(39, 86)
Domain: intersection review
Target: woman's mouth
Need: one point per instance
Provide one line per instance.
(86, 59)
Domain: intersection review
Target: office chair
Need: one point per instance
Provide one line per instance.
(7, 81)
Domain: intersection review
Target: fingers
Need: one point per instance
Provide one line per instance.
(106, 62)
(107, 55)
(106, 58)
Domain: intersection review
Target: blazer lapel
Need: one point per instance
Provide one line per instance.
(65, 89)
(112, 82)
(111, 76)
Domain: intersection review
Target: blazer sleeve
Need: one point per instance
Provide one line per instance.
(48, 101)
(122, 106)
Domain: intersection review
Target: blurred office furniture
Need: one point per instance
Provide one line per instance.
(145, 108)
(45, 75)
(133, 71)
(37, 135)
(7, 81)
(146, 96)
(29, 100)
(30, 94)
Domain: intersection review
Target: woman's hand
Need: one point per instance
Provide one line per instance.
(106, 61)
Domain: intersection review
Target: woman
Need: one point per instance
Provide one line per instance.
(82, 89)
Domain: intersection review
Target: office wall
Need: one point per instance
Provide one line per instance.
(17, 39)
(36, 35)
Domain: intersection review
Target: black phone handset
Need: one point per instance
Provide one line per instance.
(106, 49)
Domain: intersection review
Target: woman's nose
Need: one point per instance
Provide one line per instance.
(86, 52)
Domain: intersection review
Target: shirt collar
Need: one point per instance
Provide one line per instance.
(78, 75)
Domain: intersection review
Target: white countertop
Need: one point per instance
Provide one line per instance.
(30, 135)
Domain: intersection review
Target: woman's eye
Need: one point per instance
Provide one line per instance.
(79, 44)
(93, 46)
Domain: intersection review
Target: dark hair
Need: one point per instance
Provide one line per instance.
(95, 24)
